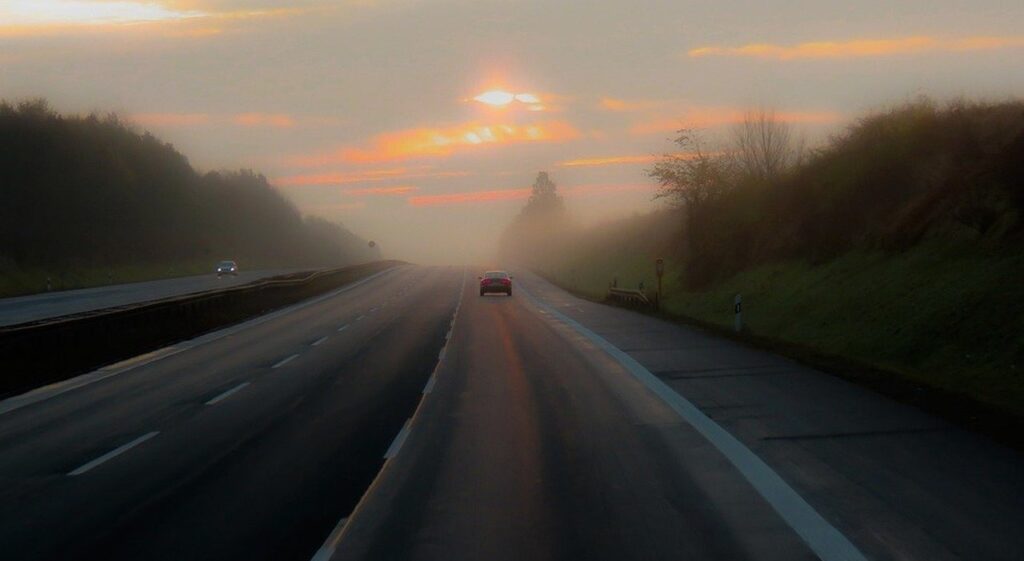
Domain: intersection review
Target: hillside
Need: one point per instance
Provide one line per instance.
(89, 200)
(898, 247)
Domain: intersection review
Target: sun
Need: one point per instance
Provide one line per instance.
(496, 98)
(501, 98)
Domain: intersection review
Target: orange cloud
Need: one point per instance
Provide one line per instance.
(609, 161)
(862, 48)
(471, 197)
(711, 116)
(439, 142)
(335, 207)
(142, 18)
(263, 119)
(380, 191)
(341, 178)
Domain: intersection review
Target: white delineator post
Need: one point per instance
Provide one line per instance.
(738, 310)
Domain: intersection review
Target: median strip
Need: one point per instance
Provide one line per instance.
(227, 394)
(112, 454)
(285, 361)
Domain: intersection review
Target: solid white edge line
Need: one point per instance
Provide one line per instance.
(396, 444)
(112, 454)
(825, 540)
(227, 394)
(50, 391)
(285, 361)
(319, 341)
(330, 544)
(430, 384)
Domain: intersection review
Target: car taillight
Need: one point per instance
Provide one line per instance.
(506, 281)
(485, 281)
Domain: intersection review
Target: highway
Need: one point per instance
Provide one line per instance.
(537, 427)
(46, 305)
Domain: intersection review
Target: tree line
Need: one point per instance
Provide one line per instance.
(920, 171)
(917, 172)
(90, 191)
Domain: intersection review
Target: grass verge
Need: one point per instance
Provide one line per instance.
(940, 327)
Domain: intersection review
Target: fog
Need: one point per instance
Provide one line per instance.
(376, 113)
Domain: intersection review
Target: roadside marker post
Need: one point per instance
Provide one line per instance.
(738, 310)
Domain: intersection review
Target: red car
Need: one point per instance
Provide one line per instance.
(496, 281)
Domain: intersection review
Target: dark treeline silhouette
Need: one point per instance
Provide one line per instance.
(91, 192)
(952, 174)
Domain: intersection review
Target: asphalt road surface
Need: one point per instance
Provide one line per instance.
(550, 428)
(23, 309)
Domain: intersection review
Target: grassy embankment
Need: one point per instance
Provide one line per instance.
(951, 319)
(923, 285)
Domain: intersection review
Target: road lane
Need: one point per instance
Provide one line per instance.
(263, 473)
(534, 444)
(34, 307)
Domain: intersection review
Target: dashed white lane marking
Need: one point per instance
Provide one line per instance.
(285, 361)
(227, 394)
(343, 328)
(430, 384)
(319, 341)
(372, 310)
(359, 318)
(46, 392)
(327, 549)
(399, 440)
(827, 542)
(113, 453)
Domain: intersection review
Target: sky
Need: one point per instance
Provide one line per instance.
(421, 124)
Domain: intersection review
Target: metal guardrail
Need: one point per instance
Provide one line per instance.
(45, 351)
(628, 296)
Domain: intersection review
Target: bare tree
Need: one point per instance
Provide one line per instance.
(764, 146)
(693, 176)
